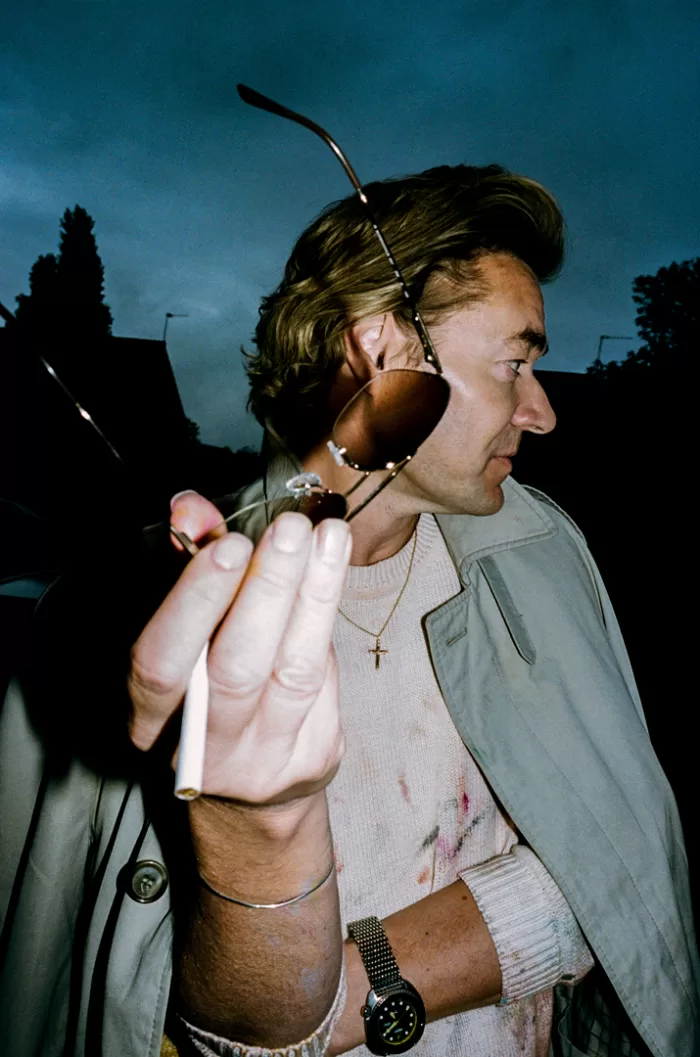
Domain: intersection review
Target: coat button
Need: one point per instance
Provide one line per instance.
(148, 881)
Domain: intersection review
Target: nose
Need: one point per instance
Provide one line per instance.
(534, 411)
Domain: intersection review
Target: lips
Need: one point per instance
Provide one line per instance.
(505, 461)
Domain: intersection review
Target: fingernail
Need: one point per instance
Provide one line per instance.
(180, 495)
(231, 552)
(333, 539)
(290, 532)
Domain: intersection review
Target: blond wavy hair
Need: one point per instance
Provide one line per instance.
(438, 224)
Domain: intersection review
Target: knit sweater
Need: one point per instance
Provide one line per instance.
(411, 812)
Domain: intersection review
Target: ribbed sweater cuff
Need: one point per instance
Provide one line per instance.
(537, 939)
(315, 1045)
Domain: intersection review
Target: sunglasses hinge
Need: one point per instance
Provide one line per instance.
(303, 484)
(337, 453)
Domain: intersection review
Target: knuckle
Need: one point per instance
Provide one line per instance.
(208, 590)
(144, 680)
(276, 579)
(299, 677)
(319, 593)
(239, 680)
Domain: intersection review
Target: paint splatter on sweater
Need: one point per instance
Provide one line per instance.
(411, 812)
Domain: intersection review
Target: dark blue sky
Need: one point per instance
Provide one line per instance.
(130, 109)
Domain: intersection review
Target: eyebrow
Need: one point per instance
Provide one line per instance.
(534, 339)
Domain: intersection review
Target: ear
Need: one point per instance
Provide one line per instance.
(367, 345)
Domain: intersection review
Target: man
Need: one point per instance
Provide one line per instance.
(474, 770)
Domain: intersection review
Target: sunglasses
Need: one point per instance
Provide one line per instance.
(382, 425)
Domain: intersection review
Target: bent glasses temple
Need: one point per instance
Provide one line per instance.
(263, 102)
(329, 505)
(303, 484)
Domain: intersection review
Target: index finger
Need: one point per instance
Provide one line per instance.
(165, 653)
(296, 626)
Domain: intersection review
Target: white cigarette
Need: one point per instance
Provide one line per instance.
(193, 734)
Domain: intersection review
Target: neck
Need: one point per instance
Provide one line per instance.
(383, 527)
(374, 539)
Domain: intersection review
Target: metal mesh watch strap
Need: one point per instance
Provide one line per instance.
(376, 953)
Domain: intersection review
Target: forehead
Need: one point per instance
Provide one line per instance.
(510, 305)
(511, 284)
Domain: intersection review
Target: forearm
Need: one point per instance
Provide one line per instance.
(443, 947)
(261, 977)
(508, 936)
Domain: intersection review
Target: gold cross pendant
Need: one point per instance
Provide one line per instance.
(377, 651)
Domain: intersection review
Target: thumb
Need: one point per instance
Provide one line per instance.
(193, 515)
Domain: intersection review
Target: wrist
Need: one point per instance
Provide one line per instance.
(212, 815)
(263, 854)
(350, 1029)
(394, 1013)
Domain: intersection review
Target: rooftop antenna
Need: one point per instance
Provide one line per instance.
(172, 315)
(610, 337)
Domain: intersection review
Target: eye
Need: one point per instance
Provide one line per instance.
(515, 365)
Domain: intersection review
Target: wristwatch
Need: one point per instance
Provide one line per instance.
(393, 1012)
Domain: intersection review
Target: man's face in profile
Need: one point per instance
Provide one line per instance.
(488, 350)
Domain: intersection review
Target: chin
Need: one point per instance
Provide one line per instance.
(479, 504)
(493, 501)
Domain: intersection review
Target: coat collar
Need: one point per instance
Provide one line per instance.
(521, 520)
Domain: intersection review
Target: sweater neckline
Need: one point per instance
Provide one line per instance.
(387, 576)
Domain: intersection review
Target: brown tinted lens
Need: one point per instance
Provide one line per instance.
(390, 417)
(319, 506)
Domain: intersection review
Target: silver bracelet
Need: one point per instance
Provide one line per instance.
(265, 906)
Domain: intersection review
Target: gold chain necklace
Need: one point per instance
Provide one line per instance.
(378, 651)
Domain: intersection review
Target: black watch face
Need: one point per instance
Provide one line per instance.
(399, 1023)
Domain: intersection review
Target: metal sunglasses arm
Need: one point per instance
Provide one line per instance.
(263, 102)
(380, 488)
(85, 415)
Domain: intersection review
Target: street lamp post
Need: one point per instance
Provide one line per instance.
(610, 337)
(172, 315)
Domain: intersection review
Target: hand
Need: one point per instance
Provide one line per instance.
(274, 731)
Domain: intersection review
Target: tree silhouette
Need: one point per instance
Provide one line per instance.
(668, 319)
(64, 314)
(668, 312)
(193, 432)
(39, 306)
(81, 277)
